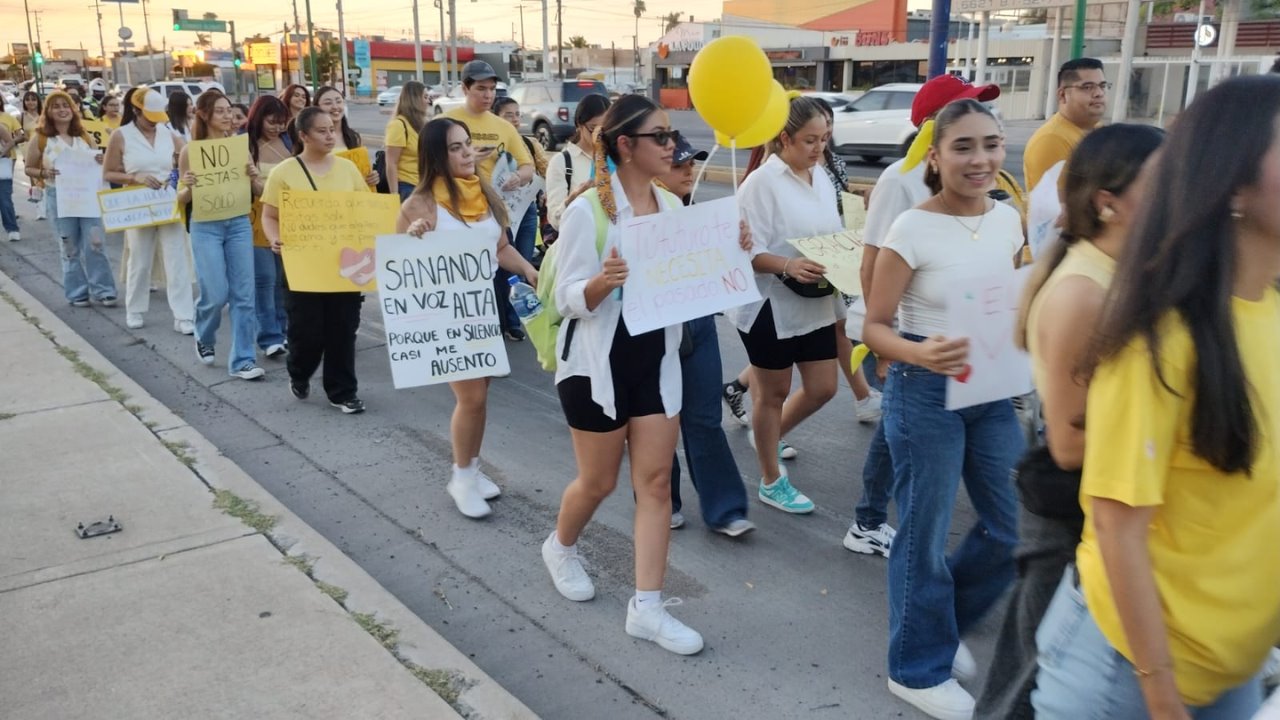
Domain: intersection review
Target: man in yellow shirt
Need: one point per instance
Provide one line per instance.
(12, 130)
(1082, 101)
(492, 137)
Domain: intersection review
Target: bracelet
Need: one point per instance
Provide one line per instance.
(786, 265)
(1158, 669)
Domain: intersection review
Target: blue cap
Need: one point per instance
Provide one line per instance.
(685, 152)
(514, 279)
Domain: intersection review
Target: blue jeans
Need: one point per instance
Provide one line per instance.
(1083, 678)
(706, 451)
(223, 251)
(877, 470)
(933, 599)
(525, 237)
(8, 216)
(268, 276)
(404, 189)
(86, 271)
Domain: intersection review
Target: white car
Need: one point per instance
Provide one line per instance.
(169, 87)
(456, 98)
(390, 97)
(878, 124)
(835, 101)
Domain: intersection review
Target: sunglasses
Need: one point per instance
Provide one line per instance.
(661, 137)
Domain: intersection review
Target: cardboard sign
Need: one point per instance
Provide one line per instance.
(222, 188)
(684, 264)
(78, 183)
(98, 130)
(439, 307)
(138, 206)
(985, 310)
(328, 238)
(855, 211)
(359, 157)
(1044, 207)
(840, 253)
(518, 200)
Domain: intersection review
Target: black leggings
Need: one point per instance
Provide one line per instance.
(322, 326)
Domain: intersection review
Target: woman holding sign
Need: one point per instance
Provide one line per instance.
(269, 145)
(619, 391)
(59, 142)
(957, 234)
(330, 100)
(322, 325)
(223, 243)
(450, 183)
(142, 152)
(789, 197)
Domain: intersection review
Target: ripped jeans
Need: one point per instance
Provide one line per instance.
(85, 269)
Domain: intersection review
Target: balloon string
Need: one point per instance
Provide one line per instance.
(733, 161)
(703, 170)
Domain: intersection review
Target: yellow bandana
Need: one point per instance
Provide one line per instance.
(919, 147)
(472, 205)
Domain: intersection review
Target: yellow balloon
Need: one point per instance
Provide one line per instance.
(729, 83)
(767, 126)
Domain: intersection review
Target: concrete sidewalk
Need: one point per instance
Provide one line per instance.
(213, 601)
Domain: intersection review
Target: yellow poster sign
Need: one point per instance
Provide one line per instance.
(328, 238)
(840, 253)
(98, 130)
(360, 158)
(222, 188)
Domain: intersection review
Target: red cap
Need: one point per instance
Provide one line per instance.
(944, 89)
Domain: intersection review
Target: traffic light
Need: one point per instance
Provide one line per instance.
(38, 59)
(177, 19)
(239, 59)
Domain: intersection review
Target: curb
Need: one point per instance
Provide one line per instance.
(480, 698)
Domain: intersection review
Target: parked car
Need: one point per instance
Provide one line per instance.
(547, 108)
(456, 98)
(878, 124)
(66, 82)
(434, 93)
(835, 101)
(169, 87)
(389, 97)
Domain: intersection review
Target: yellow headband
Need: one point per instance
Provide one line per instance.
(919, 147)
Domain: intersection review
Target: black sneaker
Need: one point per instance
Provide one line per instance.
(733, 397)
(80, 303)
(204, 352)
(349, 407)
(300, 390)
(514, 335)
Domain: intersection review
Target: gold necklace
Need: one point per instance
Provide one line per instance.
(973, 231)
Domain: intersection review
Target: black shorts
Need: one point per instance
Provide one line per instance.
(637, 374)
(766, 351)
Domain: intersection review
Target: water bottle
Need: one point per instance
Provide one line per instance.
(524, 299)
(173, 178)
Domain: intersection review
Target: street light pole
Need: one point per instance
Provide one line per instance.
(417, 44)
(342, 49)
(32, 49)
(1077, 30)
(311, 43)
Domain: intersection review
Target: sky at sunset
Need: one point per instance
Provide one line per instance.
(71, 23)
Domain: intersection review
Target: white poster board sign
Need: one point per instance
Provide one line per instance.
(985, 310)
(1043, 209)
(78, 183)
(138, 206)
(439, 307)
(519, 200)
(684, 264)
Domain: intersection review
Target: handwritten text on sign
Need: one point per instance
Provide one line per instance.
(138, 206)
(439, 307)
(985, 310)
(840, 253)
(222, 185)
(79, 180)
(684, 264)
(328, 238)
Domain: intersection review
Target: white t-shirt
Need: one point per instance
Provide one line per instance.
(940, 250)
(781, 205)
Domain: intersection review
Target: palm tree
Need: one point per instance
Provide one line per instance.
(204, 41)
(672, 20)
(577, 41)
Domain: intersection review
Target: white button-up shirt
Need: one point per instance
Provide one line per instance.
(557, 189)
(577, 262)
(781, 205)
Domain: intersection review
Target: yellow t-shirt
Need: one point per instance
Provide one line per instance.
(1214, 537)
(288, 175)
(1050, 145)
(13, 127)
(400, 133)
(490, 131)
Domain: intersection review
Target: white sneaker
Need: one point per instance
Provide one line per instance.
(1271, 669)
(466, 495)
(868, 409)
(869, 541)
(184, 327)
(947, 701)
(485, 484)
(15, 236)
(133, 321)
(677, 520)
(964, 668)
(658, 625)
(274, 351)
(570, 578)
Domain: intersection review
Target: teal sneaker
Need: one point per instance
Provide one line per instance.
(785, 451)
(783, 495)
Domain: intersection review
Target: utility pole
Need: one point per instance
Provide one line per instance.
(559, 39)
(446, 76)
(284, 55)
(1077, 30)
(939, 30)
(151, 51)
(97, 8)
(453, 36)
(613, 55)
(311, 43)
(342, 45)
(417, 44)
(124, 50)
(235, 54)
(297, 27)
(522, 45)
(34, 47)
(546, 44)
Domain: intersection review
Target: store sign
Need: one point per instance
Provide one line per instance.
(967, 6)
(264, 53)
(686, 38)
(874, 39)
(785, 54)
(842, 40)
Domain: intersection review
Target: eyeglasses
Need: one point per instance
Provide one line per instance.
(1091, 87)
(661, 137)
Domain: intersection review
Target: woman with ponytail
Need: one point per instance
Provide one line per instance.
(1061, 306)
(619, 391)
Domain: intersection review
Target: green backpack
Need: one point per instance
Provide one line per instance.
(544, 329)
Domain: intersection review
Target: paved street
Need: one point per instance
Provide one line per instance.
(795, 625)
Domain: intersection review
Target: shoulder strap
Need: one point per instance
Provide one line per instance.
(308, 172)
(601, 219)
(568, 170)
(42, 141)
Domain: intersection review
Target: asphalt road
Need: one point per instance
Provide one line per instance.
(368, 120)
(795, 625)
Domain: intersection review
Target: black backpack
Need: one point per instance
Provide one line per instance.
(380, 165)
